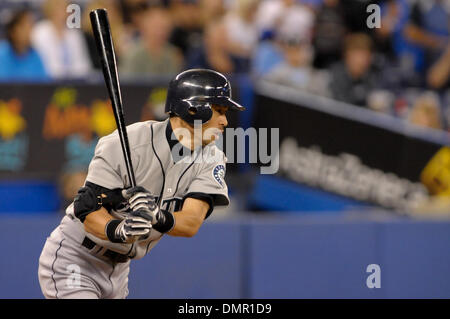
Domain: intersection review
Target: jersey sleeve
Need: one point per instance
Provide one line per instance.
(204, 197)
(210, 184)
(107, 167)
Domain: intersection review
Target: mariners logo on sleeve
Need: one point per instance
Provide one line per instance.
(219, 174)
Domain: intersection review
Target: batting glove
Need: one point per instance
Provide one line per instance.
(136, 224)
(141, 199)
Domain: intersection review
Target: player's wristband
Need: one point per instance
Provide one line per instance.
(110, 231)
(165, 223)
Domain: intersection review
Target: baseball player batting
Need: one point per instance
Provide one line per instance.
(110, 223)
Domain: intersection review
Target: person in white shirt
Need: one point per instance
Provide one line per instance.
(241, 32)
(284, 16)
(63, 49)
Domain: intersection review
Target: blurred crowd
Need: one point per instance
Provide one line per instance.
(326, 47)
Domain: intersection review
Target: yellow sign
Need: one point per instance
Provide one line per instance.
(63, 117)
(436, 174)
(102, 118)
(11, 122)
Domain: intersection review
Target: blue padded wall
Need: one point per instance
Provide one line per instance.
(281, 256)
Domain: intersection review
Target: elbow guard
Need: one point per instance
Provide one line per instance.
(92, 197)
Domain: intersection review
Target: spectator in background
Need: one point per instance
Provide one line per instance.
(153, 54)
(188, 25)
(329, 32)
(211, 10)
(403, 55)
(62, 49)
(353, 78)
(214, 52)
(439, 73)
(296, 68)
(275, 17)
(394, 13)
(242, 34)
(291, 14)
(18, 59)
(131, 11)
(122, 39)
(267, 55)
(426, 111)
(428, 28)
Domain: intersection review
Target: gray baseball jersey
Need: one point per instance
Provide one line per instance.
(160, 169)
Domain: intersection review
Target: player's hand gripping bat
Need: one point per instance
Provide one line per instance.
(105, 47)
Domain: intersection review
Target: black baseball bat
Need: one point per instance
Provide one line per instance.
(105, 47)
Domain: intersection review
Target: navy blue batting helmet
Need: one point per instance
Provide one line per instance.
(192, 94)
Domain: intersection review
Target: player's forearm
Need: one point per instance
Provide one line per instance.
(95, 223)
(186, 225)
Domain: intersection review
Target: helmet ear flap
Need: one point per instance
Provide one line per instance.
(192, 110)
(202, 112)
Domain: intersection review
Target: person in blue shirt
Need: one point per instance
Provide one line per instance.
(18, 60)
